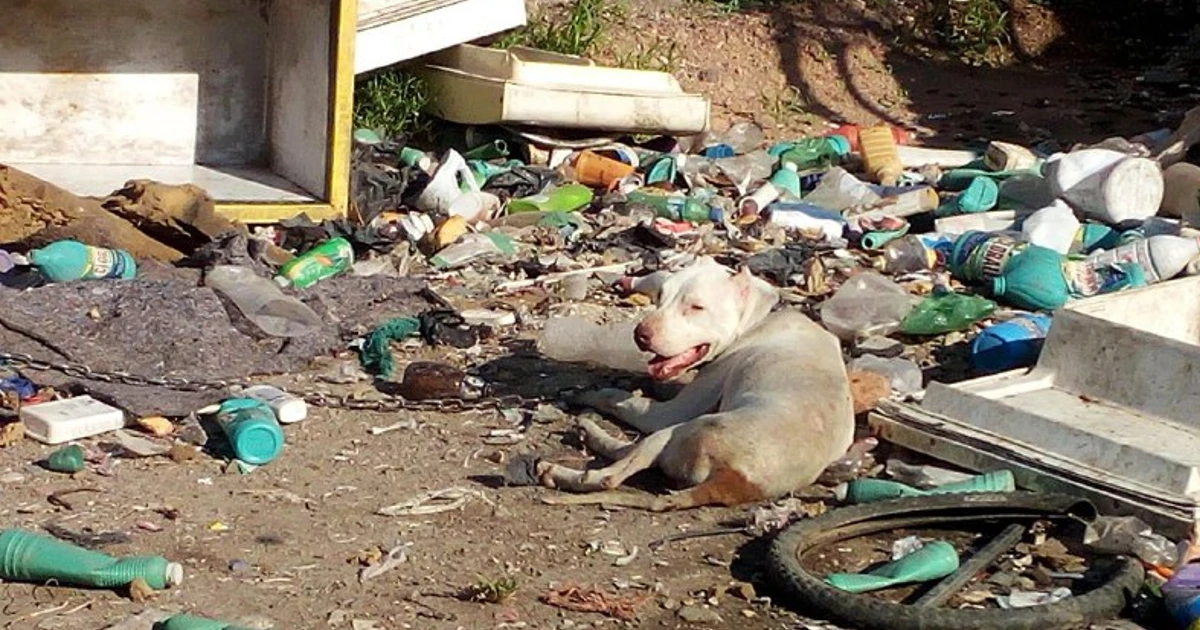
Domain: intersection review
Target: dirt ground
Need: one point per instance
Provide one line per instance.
(281, 544)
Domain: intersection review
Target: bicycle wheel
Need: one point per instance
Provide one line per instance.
(865, 612)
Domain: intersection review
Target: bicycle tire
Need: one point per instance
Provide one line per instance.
(864, 612)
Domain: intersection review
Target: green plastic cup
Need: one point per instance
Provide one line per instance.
(29, 557)
(252, 429)
(192, 622)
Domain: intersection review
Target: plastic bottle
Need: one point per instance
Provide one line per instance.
(1160, 257)
(562, 199)
(66, 261)
(1053, 227)
(871, 490)
(979, 256)
(946, 312)
(753, 205)
(923, 476)
(915, 252)
(1181, 594)
(1003, 156)
(1010, 344)
(814, 152)
(840, 191)
(472, 247)
(1042, 279)
(806, 217)
(323, 261)
(880, 158)
(286, 407)
(933, 561)
(29, 557)
(903, 375)
(262, 302)
(981, 195)
(850, 133)
(915, 200)
(676, 207)
(866, 304)
(191, 622)
(1107, 185)
(578, 340)
(252, 429)
(594, 169)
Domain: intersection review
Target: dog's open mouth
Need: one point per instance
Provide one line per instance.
(666, 368)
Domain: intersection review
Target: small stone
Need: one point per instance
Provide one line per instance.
(575, 287)
(745, 591)
(190, 431)
(749, 614)
(697, 614)
(156, 425)
(12, 477)
(880, 347)
(670, 603)
(238, 566)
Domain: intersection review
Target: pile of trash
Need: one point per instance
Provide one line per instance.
(907, 254)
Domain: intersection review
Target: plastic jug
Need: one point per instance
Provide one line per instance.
(1010, 344)
(866, 304)
(262, 302)
(562, 199)
(1107, 185)
(1053, 227)
(979, 256)
(880, 158)
(65, 261)
(29, 557)
(1004, 156)
(323, 261)
(252, 429)
(1159, 257)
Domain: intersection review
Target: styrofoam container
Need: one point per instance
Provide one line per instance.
(523, 86)
(61, 421)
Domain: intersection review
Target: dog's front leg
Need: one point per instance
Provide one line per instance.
(641, 456)
(697, 398)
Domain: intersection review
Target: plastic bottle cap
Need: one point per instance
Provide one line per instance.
(999, 286)
(174, 574)
(282, 281)
(841, 491)
(839, 143)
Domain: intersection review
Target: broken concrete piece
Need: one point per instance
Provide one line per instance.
(34, 212)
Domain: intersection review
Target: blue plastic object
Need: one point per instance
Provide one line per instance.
(1011, 344)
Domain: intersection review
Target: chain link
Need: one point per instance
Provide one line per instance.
(317, 399)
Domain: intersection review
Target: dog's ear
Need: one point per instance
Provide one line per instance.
(743, 281)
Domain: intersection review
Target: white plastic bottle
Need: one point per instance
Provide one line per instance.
(1161, 257)
(288, 408)
(1107, 185)
(1053, 227)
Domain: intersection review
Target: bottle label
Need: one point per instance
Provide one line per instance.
(104, 263)
(984, 256)
(1136, 253)
(1086, 279)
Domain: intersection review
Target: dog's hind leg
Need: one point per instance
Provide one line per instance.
(697, 398)
(724, 487)
(599, 441)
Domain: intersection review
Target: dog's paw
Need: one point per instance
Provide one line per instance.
(603, 400)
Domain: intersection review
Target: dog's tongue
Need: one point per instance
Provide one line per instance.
(666, 368)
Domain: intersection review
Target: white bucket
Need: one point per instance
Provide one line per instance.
(1107, 185)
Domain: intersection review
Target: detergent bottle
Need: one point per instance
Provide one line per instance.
(1160, 257)
(65, 261)
(252, 429)
(980, 256)
(29, 557)
(881, 160)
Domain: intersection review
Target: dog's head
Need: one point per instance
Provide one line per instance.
(701, 311)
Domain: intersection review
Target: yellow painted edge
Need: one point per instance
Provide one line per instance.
(276, 212)
(344, 32)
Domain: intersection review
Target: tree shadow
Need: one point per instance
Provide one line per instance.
(1074, 75)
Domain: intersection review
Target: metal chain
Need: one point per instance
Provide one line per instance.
(317, 399)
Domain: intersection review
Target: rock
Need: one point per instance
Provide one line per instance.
(880, 347)
(697, 614)
(867, 389)
(177, 215)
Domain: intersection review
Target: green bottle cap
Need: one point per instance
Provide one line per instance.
(999, 286)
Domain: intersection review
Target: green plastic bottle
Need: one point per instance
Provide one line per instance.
(811, 152)
(1042, 279)
(871, 490)
(252, 429)
(787, 179)
(946, 312)
(562, 199)
(66, 261)
(934, 561)
(29, 557)
(981, 195)
(676, 207)
(192, 622)
(323, 261)
(69, 459)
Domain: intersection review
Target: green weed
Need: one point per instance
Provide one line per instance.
(492, 591)
(577, 32)
(660, 56)
(972, 28)
(391, 102)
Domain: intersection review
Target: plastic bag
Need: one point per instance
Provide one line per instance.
(946, 312)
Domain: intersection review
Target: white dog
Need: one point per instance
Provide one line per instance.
(765, 418)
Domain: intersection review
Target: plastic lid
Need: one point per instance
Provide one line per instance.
(256, 441)
(999, 286)
(839, 143)
(173, 575)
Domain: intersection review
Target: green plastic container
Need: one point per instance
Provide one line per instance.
(253, 432)
(562, 199)
(811, 152)
(1042, 279)
(29, 557)
(676, 207)
(68, 459)
(934, 561)
(664, 169)
(981, 195)
(946, 312)
(871, 490)
(192, 622)
(66, 261)
(323, 261)
(786, 179)
(961, 178)
(1093, 236)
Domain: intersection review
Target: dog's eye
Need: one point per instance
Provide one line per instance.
(695, 308)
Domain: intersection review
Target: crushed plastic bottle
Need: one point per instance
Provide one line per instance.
(578, 340)
(945, 312)
(262, 302)
(1130, 535)
(904, 376)
(867, 304)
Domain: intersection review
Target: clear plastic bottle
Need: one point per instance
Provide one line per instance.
(578, 340)
(866, 304)
(472, 247)
(262, 302)
(1160, 257)
(839, 191)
